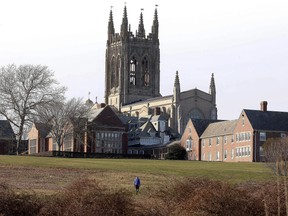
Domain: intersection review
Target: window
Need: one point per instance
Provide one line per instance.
(132, 72)
(225, 154)
(261, 152)
(232, 139)
(262, 136)
(145, 70)
(243, 120)
(203, 156)
(232, 153)
(210, 141)
(32, 146)
(188, 144)
(242, 136)
(55, 145)
(203, 142)
(225, 139)
(217, 140)
(210, 156)
(217, 155)
(237, 137)
(249, 136)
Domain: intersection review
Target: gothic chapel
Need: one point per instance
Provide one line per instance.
(132, 78)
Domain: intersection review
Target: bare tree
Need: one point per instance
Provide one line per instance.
(276, 155)
(22, 90)
(67, 120)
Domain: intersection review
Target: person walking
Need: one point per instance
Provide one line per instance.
(137, 184)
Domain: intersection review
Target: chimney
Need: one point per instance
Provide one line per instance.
(263, 106)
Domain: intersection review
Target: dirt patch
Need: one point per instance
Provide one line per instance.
(40, 179)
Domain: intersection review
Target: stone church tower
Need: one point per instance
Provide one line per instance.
(132, 78)
(132, 71)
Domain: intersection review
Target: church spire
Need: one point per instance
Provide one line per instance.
(141, 30)
(155, 26)
(124, 25)
(212, 89)
(111, 30)
(176, 89)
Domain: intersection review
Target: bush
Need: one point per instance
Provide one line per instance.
(12, 203)
(176, 152)
(203, 197)
(87, 197)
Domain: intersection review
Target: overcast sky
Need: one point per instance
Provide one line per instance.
(244, 43)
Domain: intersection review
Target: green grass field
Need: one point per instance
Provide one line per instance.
(232, 172)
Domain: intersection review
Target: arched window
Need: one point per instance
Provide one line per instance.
(132, 73)
(113, 72)
(145, 72)
(118, 69)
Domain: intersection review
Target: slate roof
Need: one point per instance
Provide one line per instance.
(158, 118)
(268, 120)
(6, 131)
(146, 129)
(201, 124)
(43, 129)
(219, 128)
(94, 112)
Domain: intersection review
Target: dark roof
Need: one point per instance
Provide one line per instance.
(268, 120)
(6, 131)
(43, 129)
(201, 124)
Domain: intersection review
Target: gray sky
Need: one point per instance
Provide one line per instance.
(244, 43)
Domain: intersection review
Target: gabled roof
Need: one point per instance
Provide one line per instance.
(158, 118)
(200, 125)
(268, 120)
(94, 112)
(6, 131)
(219, 128)
(43, 129)
(146, 129)
(105, 116)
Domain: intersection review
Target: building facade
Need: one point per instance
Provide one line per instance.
(239, 140)
(102, 132)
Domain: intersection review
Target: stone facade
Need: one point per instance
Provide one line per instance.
(132, 78)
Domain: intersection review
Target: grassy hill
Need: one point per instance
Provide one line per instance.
(105, 187)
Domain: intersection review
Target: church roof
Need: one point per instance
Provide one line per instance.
(219, 128)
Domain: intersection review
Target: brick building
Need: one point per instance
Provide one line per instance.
(103, 132)
(239, 140)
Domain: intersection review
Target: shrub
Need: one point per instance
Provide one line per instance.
(87, 197)
(12, 203)
(203, 197)
(176, 152)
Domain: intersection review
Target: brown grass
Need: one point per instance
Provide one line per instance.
(188, 196)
